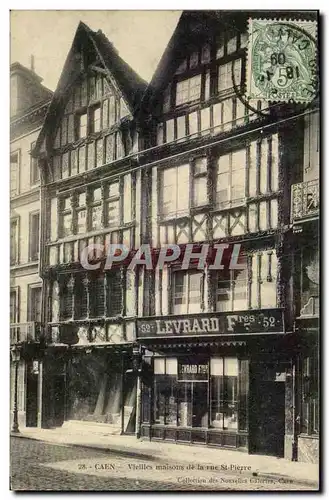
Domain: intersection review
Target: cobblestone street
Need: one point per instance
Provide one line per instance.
(38, 466)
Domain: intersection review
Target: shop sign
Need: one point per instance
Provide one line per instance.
(192, 372)
(243, 322)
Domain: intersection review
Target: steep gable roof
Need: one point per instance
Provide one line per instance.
(121, 75)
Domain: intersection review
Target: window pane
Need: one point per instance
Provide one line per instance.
(170, 130)
(181, 127)
(115, 293)
(216, 366)
(223, 291)
(81, 221)
(200, 191)
(83, 125)
(13, 307)
(67, 220)
(114, 189)
(183, 180)
(171, 366)
(96, 117)
(113, 213)
(193, 123)
(188, 90)
(96, 218)
(200, 166)
(159, 366)
(180, 292)
(240, 290)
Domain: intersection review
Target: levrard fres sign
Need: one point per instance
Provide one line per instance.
(242, 322)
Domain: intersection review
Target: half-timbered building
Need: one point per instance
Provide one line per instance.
(222, 174)
(89, 197)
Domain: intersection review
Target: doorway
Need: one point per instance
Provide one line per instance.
(267, 418)
(31, 397)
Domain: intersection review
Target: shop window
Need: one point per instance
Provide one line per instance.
(224, 393)
(174, 199)
(309, 421)
(230, 185)
(188, 90)
(165, 390)
(187, 292)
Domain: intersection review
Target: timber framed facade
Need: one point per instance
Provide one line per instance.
(222, 357)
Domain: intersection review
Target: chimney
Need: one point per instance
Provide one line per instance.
(32, 62)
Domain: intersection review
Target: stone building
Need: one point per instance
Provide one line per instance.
(29, 103)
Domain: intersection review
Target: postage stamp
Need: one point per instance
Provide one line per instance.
(282, 60)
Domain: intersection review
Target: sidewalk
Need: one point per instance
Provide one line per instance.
(242, 463)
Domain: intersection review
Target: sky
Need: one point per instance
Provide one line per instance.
(140, 37)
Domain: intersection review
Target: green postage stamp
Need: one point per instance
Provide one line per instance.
(282, 60)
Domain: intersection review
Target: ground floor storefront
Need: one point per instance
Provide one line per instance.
(229, 391)
(85, 384)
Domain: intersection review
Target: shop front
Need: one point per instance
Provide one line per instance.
(215, 379)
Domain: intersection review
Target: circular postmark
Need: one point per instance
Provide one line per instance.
(282, 61)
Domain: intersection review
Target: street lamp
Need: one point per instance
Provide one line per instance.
(15, 356)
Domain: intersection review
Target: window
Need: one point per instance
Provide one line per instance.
(35, 173)
(174, 199)
(13, 306)
(115, 295)
(14, 173)
(224, 393)
(81, 212)
(14, 257)
(95, 119)
(81, 126)
(35, 303)
(34, 236)
(309, 421)
(231, 291)
(81, 296)
(310, 277)
(188, 90)
(112, 205)
(67, 298)
(200, 196)
(66, 217)
(165, 388)
(226, 74)
(187, 291)
(263, 279)
(232, 284)
(96, 209)
(231, 172)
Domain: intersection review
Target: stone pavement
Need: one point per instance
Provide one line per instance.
(255, 466)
